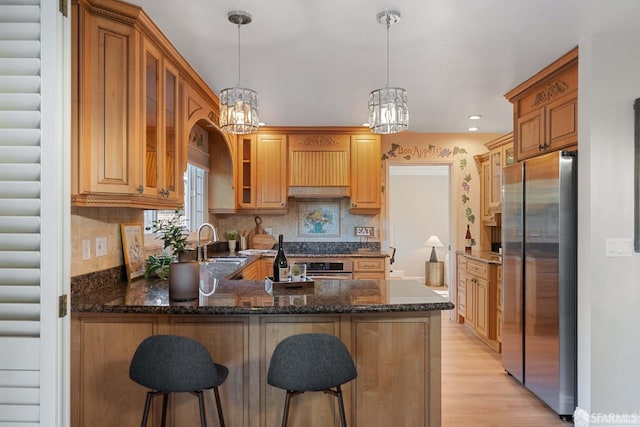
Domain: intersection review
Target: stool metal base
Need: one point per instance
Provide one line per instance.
(165, 398)
(337, 393)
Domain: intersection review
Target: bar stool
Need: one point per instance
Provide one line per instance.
(170, 364)
(311, 362)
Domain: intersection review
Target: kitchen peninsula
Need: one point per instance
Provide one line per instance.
(392, 329)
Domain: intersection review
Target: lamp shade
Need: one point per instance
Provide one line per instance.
(388, 111)
(434, 242)
(239, 110)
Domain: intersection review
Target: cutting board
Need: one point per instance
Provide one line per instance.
(258, 238)
(263, 241)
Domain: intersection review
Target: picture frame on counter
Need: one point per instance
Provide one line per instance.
(319, 219)
(133, 249)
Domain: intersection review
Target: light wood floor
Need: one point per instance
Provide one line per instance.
(476, 391)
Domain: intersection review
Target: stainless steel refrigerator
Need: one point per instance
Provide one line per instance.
(539, 263)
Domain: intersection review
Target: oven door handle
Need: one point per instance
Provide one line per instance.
(330, 276)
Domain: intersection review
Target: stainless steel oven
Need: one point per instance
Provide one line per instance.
(328, 268)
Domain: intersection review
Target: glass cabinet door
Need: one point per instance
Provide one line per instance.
(496, 178)
(151, 137)
(170, 132)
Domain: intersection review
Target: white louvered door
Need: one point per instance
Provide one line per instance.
(33, 212)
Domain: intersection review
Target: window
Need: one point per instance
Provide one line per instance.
(194, 202)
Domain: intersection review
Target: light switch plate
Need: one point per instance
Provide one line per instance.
(101, 246)
(619, 247)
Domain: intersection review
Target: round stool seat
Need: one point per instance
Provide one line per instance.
(311, 362)
(168, 363)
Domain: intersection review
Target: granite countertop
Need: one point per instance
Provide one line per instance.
(224, 296)
(484, 256)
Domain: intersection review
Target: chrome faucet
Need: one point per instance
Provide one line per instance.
(214, 236)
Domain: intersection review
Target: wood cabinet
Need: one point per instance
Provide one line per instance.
(129, 118)
(105, 134)
(101, 350)
(478, 294)
(397, 384)
(490, 167)
(259, 269)
(281, 162)
(485, 185)
(227, 339)
(262, 172)
(546, 109)
(366, 164)
(369, 268)
(160, 129)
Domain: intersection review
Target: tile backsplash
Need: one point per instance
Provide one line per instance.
(290, 225)
(89, 223)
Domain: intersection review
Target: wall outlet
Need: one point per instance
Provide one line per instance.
(618, 247)
(86, 249)
(268, 230)
(101, 246)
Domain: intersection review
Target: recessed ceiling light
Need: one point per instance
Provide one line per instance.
(475, 117)
(473, 129)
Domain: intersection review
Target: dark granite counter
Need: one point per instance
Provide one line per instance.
(483, 256)
(223, 296)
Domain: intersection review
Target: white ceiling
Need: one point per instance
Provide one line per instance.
(314, 62)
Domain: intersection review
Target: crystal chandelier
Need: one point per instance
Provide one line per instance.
(388, 110)
(239, 105)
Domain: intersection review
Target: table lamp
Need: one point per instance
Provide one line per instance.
(434, 242)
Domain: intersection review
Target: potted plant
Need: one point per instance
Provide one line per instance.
(232, 237)
(183, 276)
(174, 234)
(174, 237)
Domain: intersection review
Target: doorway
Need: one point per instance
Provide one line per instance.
(419, 207)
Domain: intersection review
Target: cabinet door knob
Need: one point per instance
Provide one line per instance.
(140, 189)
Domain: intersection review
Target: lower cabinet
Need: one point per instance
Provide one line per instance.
(101, 350)
(369, 268)
(397, 356)
(478, 299)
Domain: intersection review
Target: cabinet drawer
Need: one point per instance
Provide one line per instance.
(368, 264)
(462, 263)
(478, 268)
(375, 275)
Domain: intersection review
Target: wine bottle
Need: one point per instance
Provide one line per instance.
(467, 247)
(280, 264)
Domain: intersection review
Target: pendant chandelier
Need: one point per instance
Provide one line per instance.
(388, 110)
(239, 105)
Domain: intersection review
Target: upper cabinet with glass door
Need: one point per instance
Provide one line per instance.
(499, 156)
(160, 128)
(130, 114)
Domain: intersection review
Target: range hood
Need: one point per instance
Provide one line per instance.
(319, 166)
(304, 192)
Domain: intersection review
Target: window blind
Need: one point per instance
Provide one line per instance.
(20, 210)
